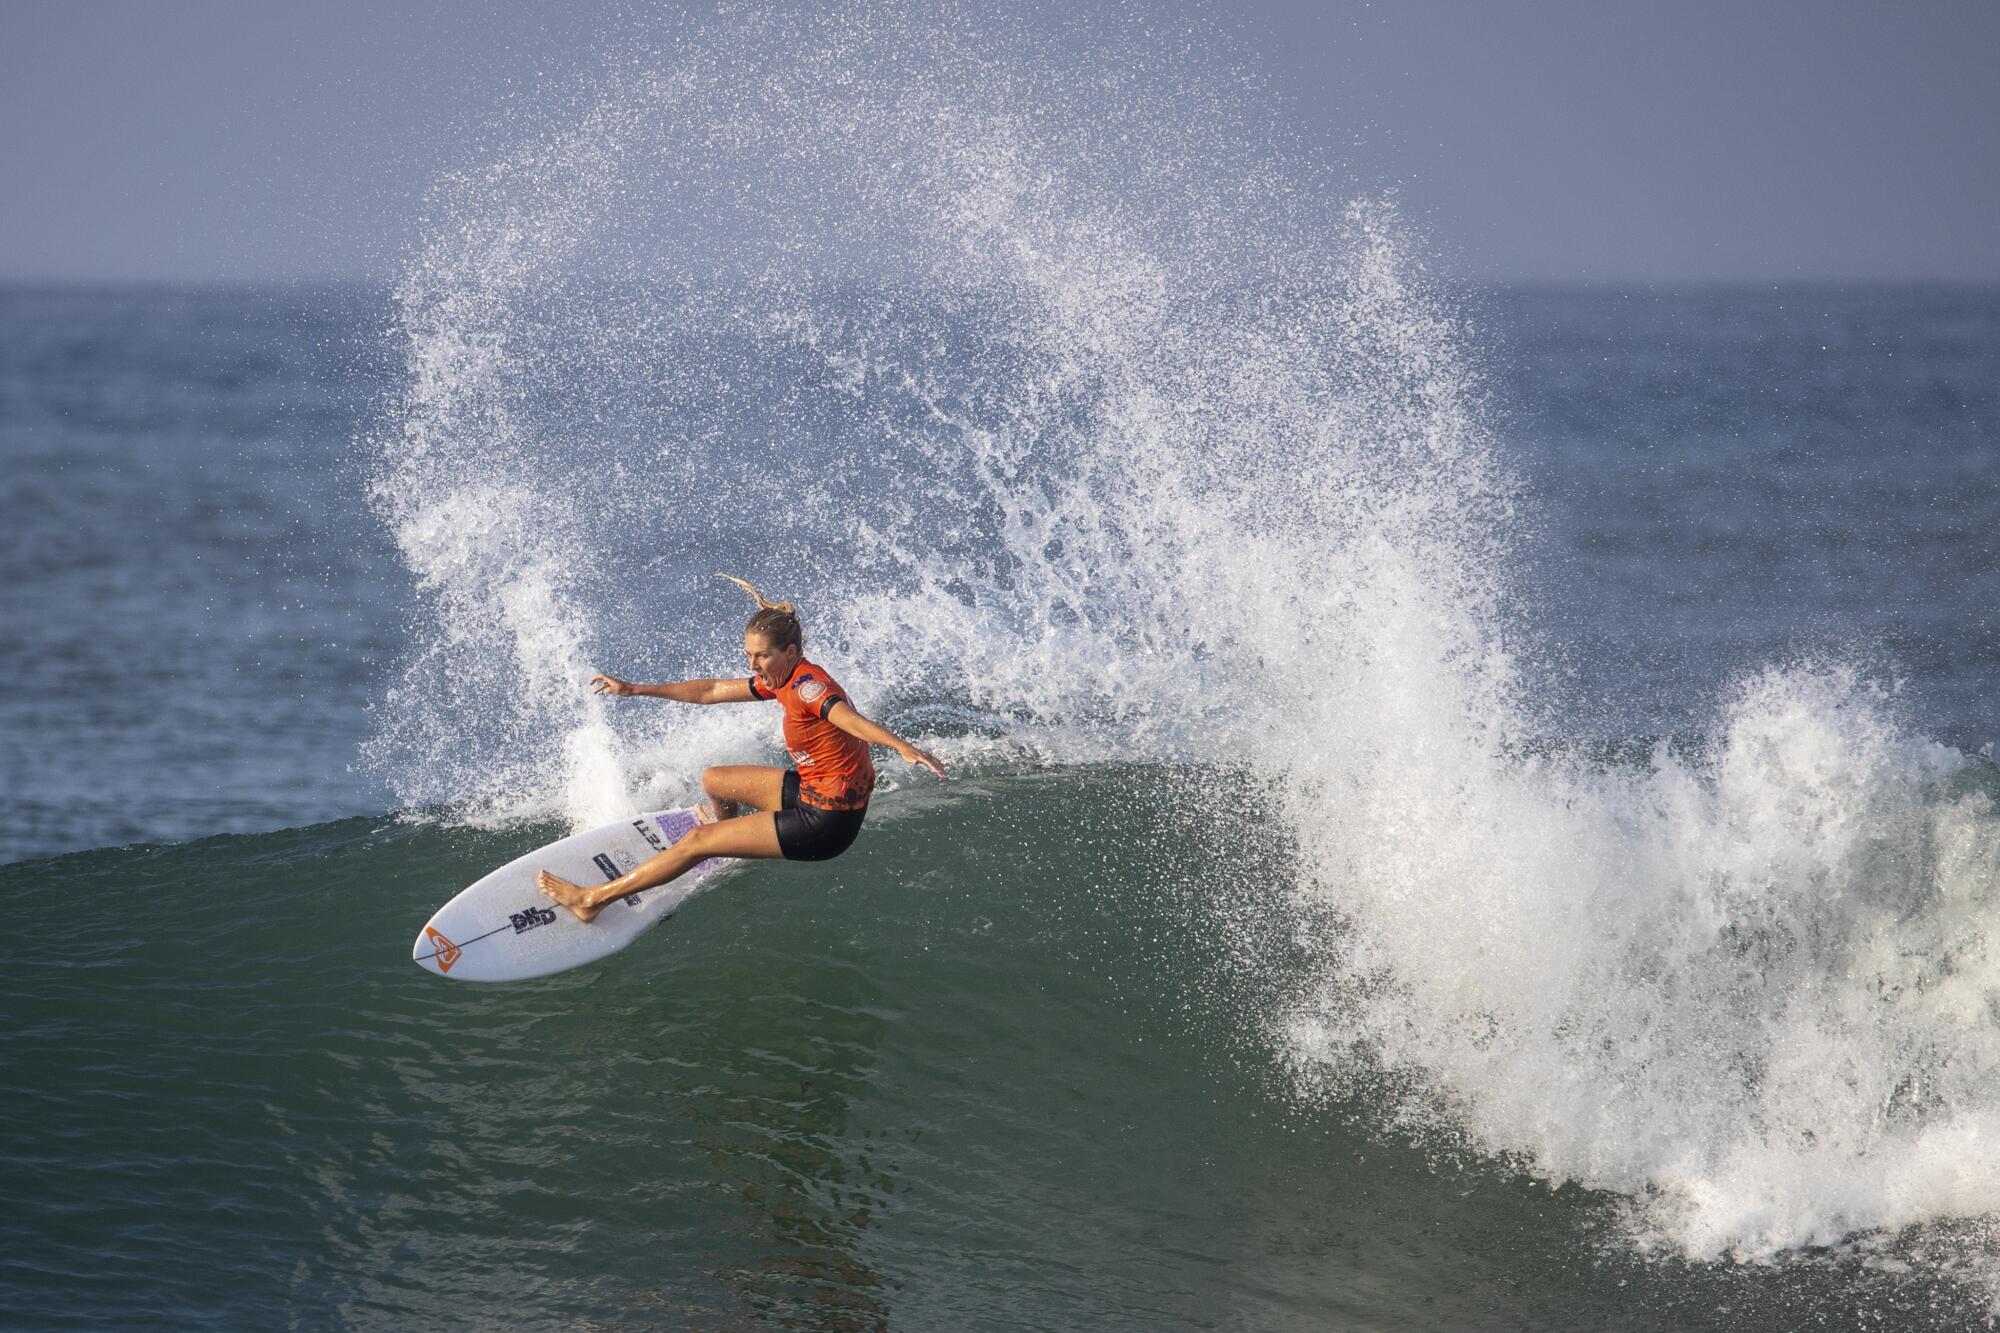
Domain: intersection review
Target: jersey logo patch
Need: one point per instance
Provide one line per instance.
(811, 689)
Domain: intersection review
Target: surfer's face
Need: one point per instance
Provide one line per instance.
(771, 663)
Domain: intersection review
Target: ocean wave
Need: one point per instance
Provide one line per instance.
(1138, 455)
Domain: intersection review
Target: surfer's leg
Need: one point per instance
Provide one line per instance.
(731, 787)
(751, 836)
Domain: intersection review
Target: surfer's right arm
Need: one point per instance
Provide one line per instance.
(735, 691)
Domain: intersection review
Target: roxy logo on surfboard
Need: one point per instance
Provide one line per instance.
(443, 950)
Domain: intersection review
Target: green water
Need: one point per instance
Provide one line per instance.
(1000, 1067)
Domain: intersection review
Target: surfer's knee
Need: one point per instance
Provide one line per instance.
(696, 842)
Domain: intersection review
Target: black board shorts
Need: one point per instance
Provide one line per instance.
(808, 833)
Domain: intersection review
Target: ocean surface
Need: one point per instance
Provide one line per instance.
(1471, 808)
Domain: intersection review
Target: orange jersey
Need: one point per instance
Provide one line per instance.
(836, 771)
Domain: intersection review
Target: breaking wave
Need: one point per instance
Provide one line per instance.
(1081, 427)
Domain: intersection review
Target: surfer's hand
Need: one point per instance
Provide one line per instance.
(912, 755)
(610, 685)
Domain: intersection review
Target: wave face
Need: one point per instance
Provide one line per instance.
(1075, 446)
(962, 1070)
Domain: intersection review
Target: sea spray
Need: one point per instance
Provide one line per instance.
(1040, 432)
(1148, 451)
(490, 706)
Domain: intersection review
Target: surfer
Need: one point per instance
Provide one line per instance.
(809, 812)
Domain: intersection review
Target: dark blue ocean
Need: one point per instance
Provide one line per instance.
(1471, 807)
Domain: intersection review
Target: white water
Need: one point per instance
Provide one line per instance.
(1144, 450)
(1755, 992)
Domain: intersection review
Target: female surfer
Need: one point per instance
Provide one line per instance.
(809, 812)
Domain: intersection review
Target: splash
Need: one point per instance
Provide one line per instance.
(1073, 447)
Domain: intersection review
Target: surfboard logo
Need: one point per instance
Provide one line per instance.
(528, 918)
(447, 952)
(646, 832)
(610, 869)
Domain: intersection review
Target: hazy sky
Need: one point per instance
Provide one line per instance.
(1575, 140)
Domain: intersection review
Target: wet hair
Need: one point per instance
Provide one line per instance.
(776, 621)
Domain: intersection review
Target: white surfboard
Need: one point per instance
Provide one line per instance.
(503, 928)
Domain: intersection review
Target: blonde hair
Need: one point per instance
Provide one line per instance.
(776, 621)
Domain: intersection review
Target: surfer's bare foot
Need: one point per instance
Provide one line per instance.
(573, 896)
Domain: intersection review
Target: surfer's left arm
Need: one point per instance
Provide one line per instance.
(845, 716)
